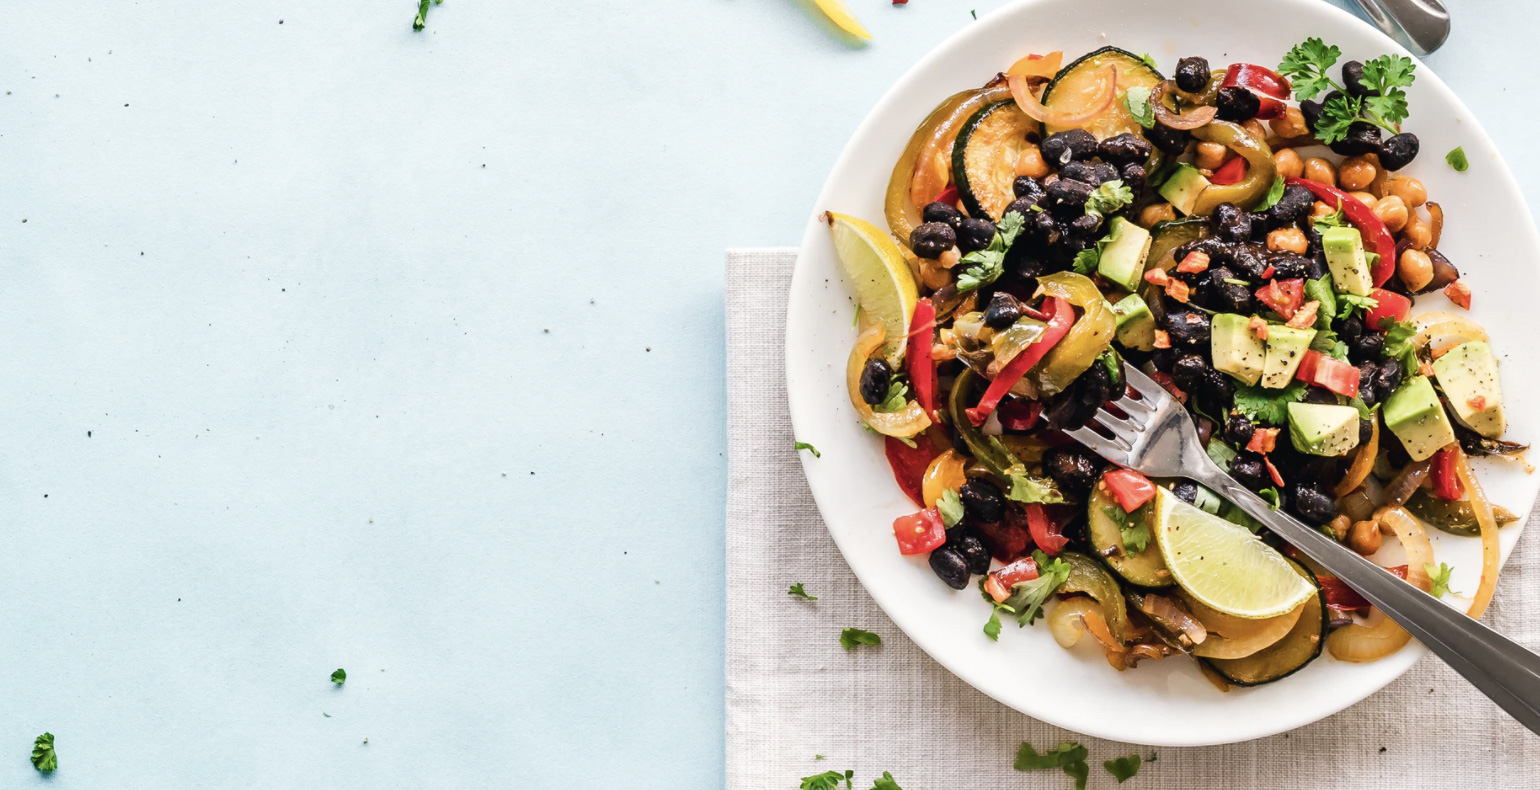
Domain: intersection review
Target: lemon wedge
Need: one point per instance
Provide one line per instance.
(880, 276)
(840, 14)
(1222, 565)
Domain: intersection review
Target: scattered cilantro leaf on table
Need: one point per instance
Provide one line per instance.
(796, 591)
(422, 13)
(850, 638)
(340, 676)
(1123, 768)
(44, 758)
(808, 447)
(828, 780)
(1456, 159)
(886, 783)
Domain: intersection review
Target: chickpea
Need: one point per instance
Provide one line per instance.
(1289, 163)
(1415, 269)
(1364, 537)
(1392, 211)
(1321, 209)
(1255, 128)
(934, 275)
(1340, 526)
(1320, 171)
(1418, 233)
(1289, 240)
(1156, 212)
(1410, 190)
(1356, 173)
(1210, 156)
(1366, 198)
(951, 258)
(1030, 163)
(1292, 124)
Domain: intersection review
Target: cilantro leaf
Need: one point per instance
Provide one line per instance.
(984, 267)
(1080, 771)
(44, 758)
(1030, 490)
(1009, 227)
(851, 637)
(1109, 197)
(1027, 598)
(1320, 290)
(1336, 219)
(828, 780)
(422, 13)
(1027, 758)
(1274, 194)
(808, 447)
(886, 783)
(1456, 159)
(1135, 537)
(897, 399)
(1273, 497)
(1350, 304)
(340, 676)
(1123, 768)
(1440, 577)
(1087, 260)
(1149, 60)
(1389, 109)
(1268, 405)
(796, 590)
(1306, 66)
(951, 507)
(1399, 345)
(1340, 112)
(1137, 102)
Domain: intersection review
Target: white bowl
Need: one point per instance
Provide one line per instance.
(1489, 236)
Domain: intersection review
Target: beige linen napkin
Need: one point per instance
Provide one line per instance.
(793, 693)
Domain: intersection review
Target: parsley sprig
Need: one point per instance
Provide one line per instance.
(44, 758)
(1307, 66)
(422, 13)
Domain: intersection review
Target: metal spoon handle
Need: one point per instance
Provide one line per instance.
(1419, 25)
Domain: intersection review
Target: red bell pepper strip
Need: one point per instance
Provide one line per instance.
(1283, 296)
(1307, 365)
(1337, 376)
(1129, 488)
(947, 196)
(1047, 533)
(1230, 172)
(1391, 305)
(1267, 84)
(1445, 484)
(1018, 414)
(1058, 326)
(922, 369)
(919, 532)
(1375, 233)
(1341, 596)
(909, 464)
(999, 583)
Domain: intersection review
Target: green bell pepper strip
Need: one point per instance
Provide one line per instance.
(1088, 576)
(988, 449)
(1090, 336)
(1261, 168)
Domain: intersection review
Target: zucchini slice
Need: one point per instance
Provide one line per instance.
(1145, 568)
(1286, 656)
(984, 158)
(1075, 84)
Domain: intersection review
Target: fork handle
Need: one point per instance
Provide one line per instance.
(1502, 669)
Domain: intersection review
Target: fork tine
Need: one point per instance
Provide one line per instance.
(1146, 386)
(1102, 445)
(1121, 429)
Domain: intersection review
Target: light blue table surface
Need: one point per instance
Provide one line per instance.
(330, 344)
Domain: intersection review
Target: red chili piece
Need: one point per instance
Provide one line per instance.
(1375, 233)
(1058, 326)
(922, 369)
(1446, 484)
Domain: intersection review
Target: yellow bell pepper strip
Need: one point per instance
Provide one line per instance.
(1261, 168)
(840, 14)
(1062, 315)
(1086, 341)
(903, 215)
(905, 422)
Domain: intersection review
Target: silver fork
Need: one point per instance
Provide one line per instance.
(1157, 438)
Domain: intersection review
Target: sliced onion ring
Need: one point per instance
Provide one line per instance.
(1038, 111)
(1434, 324)
(1362, 463)
(1381, 636)
(1184, 121)
(1491, 550)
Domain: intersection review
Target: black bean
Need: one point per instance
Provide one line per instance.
(1353, 80)
(1064, 147)
(1085, 225)
(1186, 327)
(1362, 138)
(932, 239)
(1072, 467)
(1289, 265)
(1068, 196)
(1348, 329)
(1171, 141)
(975, 234)
(1247, 469)
(875, 379)
(1216, 392)
(1259, 226)
(1238, 429)
(1025, 261)
(1391, 374)
(1312, 109)
(1249, 261)
(1028, 187)
(1188, 372)
(1022, 206)
(1186, 490)
(951, 566)
(1319, 395)
(1231, 297)
(1368, 375)
(1312, 503)
(1125, 149)
(1236, 104)
(1365, 430)
(1086, 172)
(943, 212)
(1294, 206)
(1399, 151)
(1231, 224)
(1366, 347)
(982, 500)
(1003, 310)
(972, 549)
(1133, 176)
(1040, 227)
(1192, 74)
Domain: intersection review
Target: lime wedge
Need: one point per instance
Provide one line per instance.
(840, 13)
(877, 270)
(1223, 565)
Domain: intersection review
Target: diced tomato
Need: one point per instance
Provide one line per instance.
(1263, 440)
(1446, 484)
(909, 463)
(1157, 277)
(947, 196)
(1129, 488)
(919, 532)
(1307, 365)
(1162, 339)
(1047, 532)
(1305, 316)
(1283, 296)
(1459, 293)
(1337, 376)
(1272, 471)
(1230, 172)
(917, 358)
(1341, 596)
(1019, 414)
(999, 583)
(1258, 327)
(1390, 305)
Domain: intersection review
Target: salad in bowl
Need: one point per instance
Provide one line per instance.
(1253, 237)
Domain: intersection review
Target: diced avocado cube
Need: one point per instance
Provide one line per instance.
(1236, 349)
(1136, 325)
(1323, 428)
(1183, 187)
(1122, 260)
(1468, 374)
(1286, 347)
(1345, 256)
(1415, 416)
